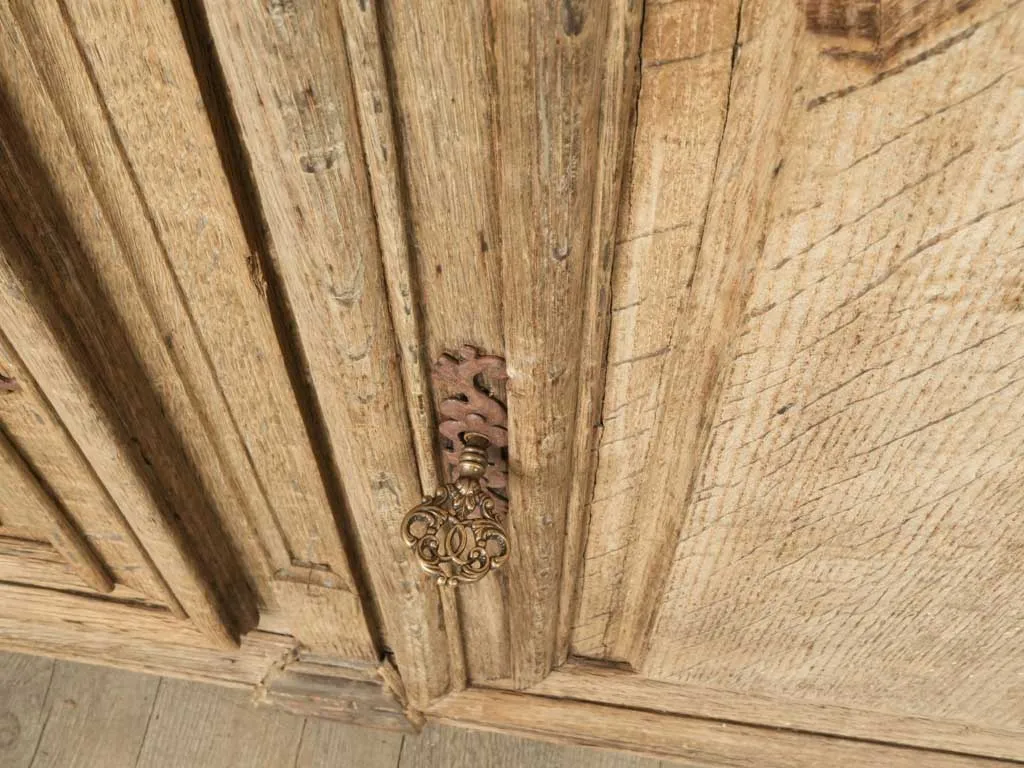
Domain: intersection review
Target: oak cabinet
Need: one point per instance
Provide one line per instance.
(755, 269)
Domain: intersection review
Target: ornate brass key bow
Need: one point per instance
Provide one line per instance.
(457, 534)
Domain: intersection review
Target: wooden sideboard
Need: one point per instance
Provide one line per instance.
(756, 271)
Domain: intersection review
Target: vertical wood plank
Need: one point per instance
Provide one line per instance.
(196, 724)
(24, 682)
(220, 316)
(95, 716)
(549, 65)
(439, 54)
(26, 501)
(621, 82)
(440, 57)
(704, 331)
(298, 118)
(687, 66)
(377, 111)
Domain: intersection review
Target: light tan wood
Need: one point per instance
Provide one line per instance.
(103, 442)
(443, 119)
(308, 164)
(369, 61)
(306, 690)
(24, 500)
(83, 701)
(30, 421)
(227, 385)
(194, 724)
(550, 66)
(707, 743)
(604, 685)
(620, 92)
(24, 681)
(702, 332)
(104, 323)
(257, 655)
(687, 57)
(855, 517)
(249, 405)
(38, 564)
(754, 269)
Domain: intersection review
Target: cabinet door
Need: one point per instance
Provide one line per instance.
(809, 489)
(160, 478)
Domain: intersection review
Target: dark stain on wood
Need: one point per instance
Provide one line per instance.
(871, 31)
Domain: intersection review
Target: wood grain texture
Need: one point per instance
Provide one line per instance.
(31, 423)
(24, 682)
(25, 500)
(705, 743)
(213, 332)
(440, 57)
(194, 724)
(60, 255)
(619, 99)
(246, 666)
(83, 701)
(604, 685)
(459, 748)
(872, 30)
(702, 331)
(37, 563)
(549, 65)
(298, 118)
(320, 692)
(334, 745)
(687, 59)
(853, 535)
(371, 81)
(246, 399)
(102, 440)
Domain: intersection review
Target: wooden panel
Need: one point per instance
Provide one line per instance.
(705, 743)
(299, 122)
(26, 502)
(24, 681)
(30, 421)
(83, 701)
(603, 685)
(215, 314)
(202, 329)
(441, 56)
(196, 724)
(102, 441)
(62, 322)
(550, 65)
(245, 666)
(460, 748)
(687, 59)
(852, 537)
(703, 329)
